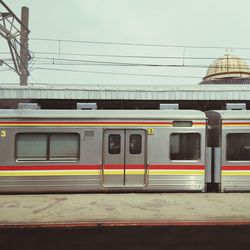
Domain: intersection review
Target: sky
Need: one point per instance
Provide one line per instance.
(182, 29)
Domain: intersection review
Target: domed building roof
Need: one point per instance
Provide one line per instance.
(227, 66)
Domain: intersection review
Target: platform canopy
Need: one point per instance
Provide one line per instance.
(122, 92)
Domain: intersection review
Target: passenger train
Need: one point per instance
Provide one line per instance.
(124, 150)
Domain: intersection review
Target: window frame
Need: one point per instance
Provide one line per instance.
(226, 146)
(48, 136)
(120, 144)
(185, 160)
(130, 150)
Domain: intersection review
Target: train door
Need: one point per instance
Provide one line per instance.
(124, 158)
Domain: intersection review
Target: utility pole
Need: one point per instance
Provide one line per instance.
(24, 52)
(15, 32)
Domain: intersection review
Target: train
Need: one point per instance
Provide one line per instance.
(45, 151)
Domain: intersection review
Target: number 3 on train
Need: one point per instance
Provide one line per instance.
(2, 133)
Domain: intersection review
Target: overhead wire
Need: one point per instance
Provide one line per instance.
(2, 70)
(127, 56)
(124, 56)
(136, 44)
(112, 73)
(58, 61)
(78, 62)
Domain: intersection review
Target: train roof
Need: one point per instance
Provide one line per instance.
(234, 114)
(101, 114)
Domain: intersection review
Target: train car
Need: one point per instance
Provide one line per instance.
(102, 150)
(229, 139)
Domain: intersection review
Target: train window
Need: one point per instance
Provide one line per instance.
(238, 147)
(135, 141)
(114, 144)
(64, 147)
(31, 146)
(47, 147)
(185, 146)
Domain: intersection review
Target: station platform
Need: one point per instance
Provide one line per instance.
(140, 209)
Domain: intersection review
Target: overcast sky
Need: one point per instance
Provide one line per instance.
(219, 23)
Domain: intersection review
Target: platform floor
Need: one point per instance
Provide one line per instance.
(124, 209)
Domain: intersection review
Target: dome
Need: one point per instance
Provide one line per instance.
(228, 66)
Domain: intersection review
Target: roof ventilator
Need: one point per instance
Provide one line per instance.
(86, 106)
(173, 106)
(236, 106)
(24, 105)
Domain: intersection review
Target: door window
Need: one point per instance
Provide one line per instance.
(135, 141)
(114, 142)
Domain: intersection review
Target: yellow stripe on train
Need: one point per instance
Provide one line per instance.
(121, 172)
(176, 172)
(98, 172)
(237, 172)
(236, 125)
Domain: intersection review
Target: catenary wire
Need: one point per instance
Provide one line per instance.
(124, 56)
(77, 62)
(137, 44)
(113, 73)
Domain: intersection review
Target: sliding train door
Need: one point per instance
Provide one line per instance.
(124, 158)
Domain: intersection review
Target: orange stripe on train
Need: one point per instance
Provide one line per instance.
(132, 123)
(105, 166)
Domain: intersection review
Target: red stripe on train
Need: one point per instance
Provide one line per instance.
(236, 123)
(97, 167)
(235, 167)
(52, 167)
(155, 167)
(93, 122)
(121, 166)
(162, 167)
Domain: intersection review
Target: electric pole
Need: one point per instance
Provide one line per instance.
(15, 32)
(24, 50)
